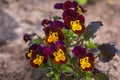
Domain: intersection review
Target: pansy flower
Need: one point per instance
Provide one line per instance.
(27, 37)
(38, 55)
(69, 5)
(74, 21)
(58, 54)
(53, 35)
(85, 60)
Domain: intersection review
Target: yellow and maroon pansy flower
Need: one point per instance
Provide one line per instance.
(38, 55)
(58, 54)
(85, 60)
(53, 35)
(30, 52)
(69, 5)
(74, 21)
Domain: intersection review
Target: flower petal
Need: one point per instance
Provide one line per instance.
(71, 13)
(79, 51)
(67, 5)
(57, 24)
(91, 57)
(58, 6)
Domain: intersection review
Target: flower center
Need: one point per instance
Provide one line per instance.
(29, 54)
(75, 25)
(84, 62)
(53, 37)
(38, 60)
(59, 56)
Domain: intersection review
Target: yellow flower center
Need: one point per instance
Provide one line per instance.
(53, 37)
(84, 62)
(59, 56)
(38, 60)
(29, 54)
(75, 25)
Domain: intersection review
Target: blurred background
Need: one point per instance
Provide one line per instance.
(18, 17)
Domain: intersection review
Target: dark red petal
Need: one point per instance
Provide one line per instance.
(60, 34)
(71, 13)
(58, 6)
(57, 24)
(63, 48)
(67, 22)
(74, 4)
(59, 43)
(79, 51)
(45, 59)
(26, 37)
(80, 31)
(81, 18)
(91, 57)
(46, 30)
(46, 51)
(33, 47)
(39, 49)
(67, 5)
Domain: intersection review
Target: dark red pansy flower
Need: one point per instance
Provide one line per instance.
(70, 5)
(58, 54)
(53, 35)
(85, 60)
(74, 21)
(27, 37)
(38, 55)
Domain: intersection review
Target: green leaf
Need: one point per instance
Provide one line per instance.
(66, 68)
(56, 17)
(101, 76)
(82, 2)
(57, 77)
(88, 75)
(91, 44)
(92, 29)
(49, 74)
(35, 41)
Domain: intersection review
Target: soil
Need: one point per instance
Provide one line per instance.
(18, 17)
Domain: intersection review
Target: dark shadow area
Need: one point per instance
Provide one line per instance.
(7, 26)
